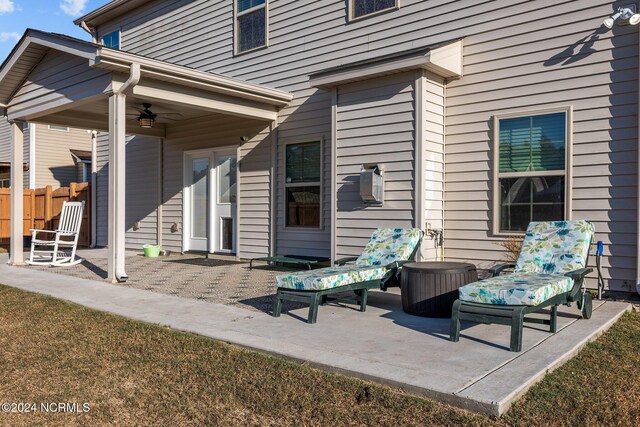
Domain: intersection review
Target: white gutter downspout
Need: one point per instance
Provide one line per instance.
(94, 188)
(117, 165)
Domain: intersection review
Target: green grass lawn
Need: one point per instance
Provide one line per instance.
(131, 373)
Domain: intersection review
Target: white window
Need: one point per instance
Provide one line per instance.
(251, 25)
(302, 184)
(111, 40)
(532, 169)
(362, 8)
(59, 128)
(5, 183)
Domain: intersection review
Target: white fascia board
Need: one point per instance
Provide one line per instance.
(121, 61)
(209, 102)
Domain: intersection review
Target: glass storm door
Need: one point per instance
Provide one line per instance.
(198, 204)
(224, 217)
(210, 205)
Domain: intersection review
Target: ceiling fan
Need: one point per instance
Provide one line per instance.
(146, 118)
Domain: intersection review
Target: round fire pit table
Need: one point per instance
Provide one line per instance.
(429, 289)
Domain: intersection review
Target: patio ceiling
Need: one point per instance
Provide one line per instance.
(57, 79)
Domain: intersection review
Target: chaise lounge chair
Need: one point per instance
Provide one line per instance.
(550, 271)
(380, 262)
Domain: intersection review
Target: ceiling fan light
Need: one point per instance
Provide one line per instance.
(145, 122)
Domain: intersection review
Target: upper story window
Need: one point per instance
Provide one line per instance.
(303, 184)
(362, 8)
(532, 169)
(251, 25)
(111, 40)
(59, 128)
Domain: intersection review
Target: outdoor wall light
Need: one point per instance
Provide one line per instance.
(624, 15)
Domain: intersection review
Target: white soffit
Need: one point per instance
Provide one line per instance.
(444, 60)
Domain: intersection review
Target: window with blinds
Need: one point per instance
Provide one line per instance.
(532, 170)
(251, 25)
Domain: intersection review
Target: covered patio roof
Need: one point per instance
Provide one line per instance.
(56, 79)
(62, 80)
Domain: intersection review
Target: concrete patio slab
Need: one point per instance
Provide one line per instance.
(384, 344)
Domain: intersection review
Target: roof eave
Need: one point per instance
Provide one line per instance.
(443, 59)
(117, 60)
(108, 12)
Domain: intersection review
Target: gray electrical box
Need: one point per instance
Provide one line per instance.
(371, 184)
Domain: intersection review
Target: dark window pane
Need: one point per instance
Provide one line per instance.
(248, 4)
(252, 30)
(227, 234)
(303, 206)
(303, 162)
(535, 143)
(112, 40)
(523, 200)
(365, 7)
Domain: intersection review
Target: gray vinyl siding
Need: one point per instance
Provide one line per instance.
(102, 188)
(254, 177)
(306, 119)
(5, 145)
(26, 156)
(375, 124)
(534, 69)
(55, 165)
(142, 191)
(5, 149)
(518, 56)
(434, 162)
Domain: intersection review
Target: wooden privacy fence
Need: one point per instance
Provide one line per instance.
(42, 208)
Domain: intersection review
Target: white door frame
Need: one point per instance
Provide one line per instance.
(213, 189)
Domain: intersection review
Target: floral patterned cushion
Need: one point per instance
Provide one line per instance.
(516, 289)
(555, 247)
(549, 250)
(390, 244)
(330, 277)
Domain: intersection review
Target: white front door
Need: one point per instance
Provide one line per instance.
(210, 200)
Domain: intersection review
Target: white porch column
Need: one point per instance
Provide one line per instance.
(117, 165)
(17, 184)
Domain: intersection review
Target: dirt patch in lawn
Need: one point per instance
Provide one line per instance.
(131, 373)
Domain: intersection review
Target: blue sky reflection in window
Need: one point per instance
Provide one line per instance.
(111, 40)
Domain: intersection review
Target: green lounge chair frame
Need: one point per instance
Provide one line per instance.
(290, 259)
(514, 315)
(361, 289)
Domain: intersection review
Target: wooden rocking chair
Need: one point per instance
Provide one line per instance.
(61, 250)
